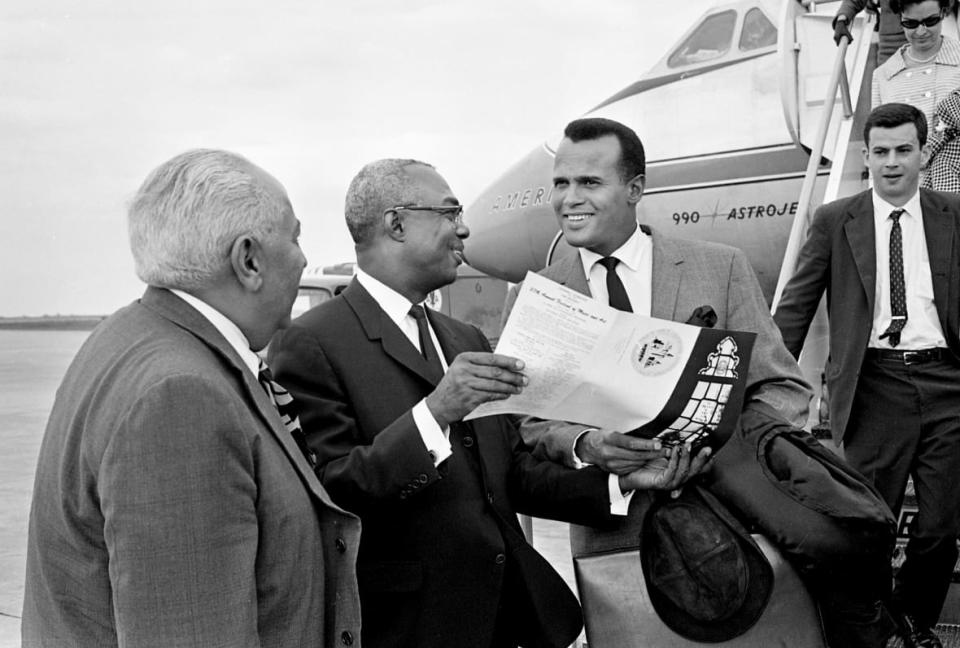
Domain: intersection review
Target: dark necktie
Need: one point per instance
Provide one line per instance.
(427, 347)
(283, 401)
(615, 290)
(898, 292)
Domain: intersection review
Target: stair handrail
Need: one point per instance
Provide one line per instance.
(798, 231)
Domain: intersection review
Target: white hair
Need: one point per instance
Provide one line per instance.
(191, 209)
(376, 188)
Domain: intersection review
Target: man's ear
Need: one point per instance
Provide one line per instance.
(925, 155)
(246, 261)
(393, 225)
(635, 189)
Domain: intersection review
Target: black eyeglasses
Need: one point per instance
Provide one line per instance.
(929, 21)
(453, 213)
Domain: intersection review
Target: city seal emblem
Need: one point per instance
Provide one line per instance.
(657, 352)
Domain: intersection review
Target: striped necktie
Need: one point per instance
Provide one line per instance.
(898, 292)
(283, 401)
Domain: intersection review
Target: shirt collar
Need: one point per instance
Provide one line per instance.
(395, 305)
(882, 209)
(230, 331)
(949, 54)
(630, 253)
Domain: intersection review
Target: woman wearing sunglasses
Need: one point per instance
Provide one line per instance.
(927, 68)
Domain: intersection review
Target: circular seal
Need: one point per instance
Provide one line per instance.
(657, 352)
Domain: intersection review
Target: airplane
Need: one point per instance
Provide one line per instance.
(751, 120)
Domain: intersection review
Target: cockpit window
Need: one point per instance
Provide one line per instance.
(712, 39)
(757, 32)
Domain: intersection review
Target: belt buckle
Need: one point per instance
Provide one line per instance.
(912, 357)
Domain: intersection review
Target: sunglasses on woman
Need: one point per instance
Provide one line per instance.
(929, 21)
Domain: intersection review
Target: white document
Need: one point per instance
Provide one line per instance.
(587, 362)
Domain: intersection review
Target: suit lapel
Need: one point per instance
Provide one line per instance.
(569, 272)
(380, 328)
(939, 227)
(861, 237)
(174, 309)
(667, 275)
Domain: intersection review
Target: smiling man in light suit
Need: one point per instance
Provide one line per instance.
(598, 181)
(172, 504)
(599, 175)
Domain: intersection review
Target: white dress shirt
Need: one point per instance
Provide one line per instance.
(234, 336)
(397, 308)
(635, 271)
(922, 330)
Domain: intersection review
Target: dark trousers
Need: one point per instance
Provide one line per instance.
(905, 421)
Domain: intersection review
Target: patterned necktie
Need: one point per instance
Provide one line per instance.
(283, 401)
(616, 293)
(898, 292)
(427, 347)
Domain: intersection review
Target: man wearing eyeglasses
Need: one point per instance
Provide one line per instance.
(384, 386)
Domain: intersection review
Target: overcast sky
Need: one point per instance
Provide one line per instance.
(95, 94)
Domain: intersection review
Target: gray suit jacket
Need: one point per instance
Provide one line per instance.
(172, 508)
(688, 274)
(840, 257)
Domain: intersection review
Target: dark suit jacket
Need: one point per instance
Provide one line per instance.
(436, 540)
(839, 256)
(172, 508)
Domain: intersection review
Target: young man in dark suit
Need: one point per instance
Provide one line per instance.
(889, 261)
(443, 561)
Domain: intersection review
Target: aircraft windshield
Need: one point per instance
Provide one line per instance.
(712, 39)
(757, 31)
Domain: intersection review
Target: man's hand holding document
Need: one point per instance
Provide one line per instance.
(589, 363)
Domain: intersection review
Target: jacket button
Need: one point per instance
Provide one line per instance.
(500, 559)
(340, 545)
(403, 494)
(468, 442)
(490, 496)
(346, 637)
(423, 478)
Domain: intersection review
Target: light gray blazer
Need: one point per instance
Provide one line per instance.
(688, 274)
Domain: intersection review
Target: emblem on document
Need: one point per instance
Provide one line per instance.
(704, 409)
(656, 352)
(723, 363)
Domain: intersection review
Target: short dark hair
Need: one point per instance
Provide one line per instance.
(633, 161)
(897, 6)
(891, 115)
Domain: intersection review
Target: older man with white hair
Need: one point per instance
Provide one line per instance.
(174, 502)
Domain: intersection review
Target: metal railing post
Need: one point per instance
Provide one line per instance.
(801, 222)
